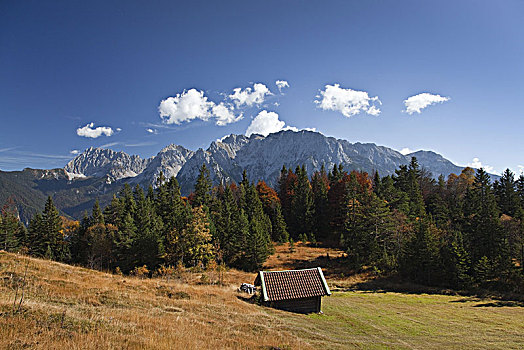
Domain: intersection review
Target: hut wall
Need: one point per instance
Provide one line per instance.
(302, 305)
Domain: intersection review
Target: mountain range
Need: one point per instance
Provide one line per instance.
(99, 173)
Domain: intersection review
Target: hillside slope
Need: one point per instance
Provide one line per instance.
(76, 308)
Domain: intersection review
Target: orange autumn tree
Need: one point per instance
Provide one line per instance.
(272, 208)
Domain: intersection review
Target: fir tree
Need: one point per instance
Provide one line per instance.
(319, 187)
(506, 194)
(96, 215)
(46, 234)
(420, 260)
(13, 233)
(302, 204)
(203, 187)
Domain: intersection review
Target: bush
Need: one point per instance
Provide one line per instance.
(140, 272)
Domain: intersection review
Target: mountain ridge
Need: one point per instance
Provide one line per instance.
(99, 173)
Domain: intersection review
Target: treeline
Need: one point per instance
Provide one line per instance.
(227, 226)
(460, 232)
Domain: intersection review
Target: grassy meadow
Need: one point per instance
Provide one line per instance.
(77, 308)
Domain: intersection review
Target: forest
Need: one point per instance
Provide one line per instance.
(464, 231)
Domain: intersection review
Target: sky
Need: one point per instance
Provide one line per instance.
(136, 76)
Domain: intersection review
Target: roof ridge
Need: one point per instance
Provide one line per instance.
(312, 268)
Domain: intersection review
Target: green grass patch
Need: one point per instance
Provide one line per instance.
(410, 321)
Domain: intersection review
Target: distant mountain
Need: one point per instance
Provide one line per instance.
(169, 161)
(98, 162)
(98, 173)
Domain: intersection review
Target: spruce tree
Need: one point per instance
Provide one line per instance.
(203, 187)
(484, 233)
(420, 259)
(506, 194)
(302, 204)
(319, 187)
(96, 215)
(46, 234)
(12, 231)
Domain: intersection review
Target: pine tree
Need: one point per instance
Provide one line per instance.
(125, 243)
(203, 187)
(302, 204)
(96, 215)
(198, 239)
(114, 212)
(148, 245)
(12, 231)
(420, 259)
(257, 245)
(320, 187)
(46, 234)
(456, 262)
(506, 195)
(416, 201)
(485, 237)
(519, 187)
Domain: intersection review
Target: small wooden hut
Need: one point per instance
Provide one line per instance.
(298, 291)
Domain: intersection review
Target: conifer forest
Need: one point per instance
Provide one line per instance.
(464, 231)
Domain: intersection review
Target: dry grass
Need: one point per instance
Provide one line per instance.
(77, 308)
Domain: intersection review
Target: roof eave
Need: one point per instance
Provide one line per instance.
(324, 282)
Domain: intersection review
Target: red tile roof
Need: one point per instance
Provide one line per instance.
(292, 284)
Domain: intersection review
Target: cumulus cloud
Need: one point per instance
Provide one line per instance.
(406, 150)
(521, 170)
(266, 123)
(250, 96)
(281, 84)
(349, 102)
(225, 114)
(89, 131)
(477, 164)
(188, 105)
(151, 131)
(193, 104)
(418, 102)
(74, 151)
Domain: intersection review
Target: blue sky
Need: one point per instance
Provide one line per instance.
(67, 64)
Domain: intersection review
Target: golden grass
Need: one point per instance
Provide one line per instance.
(76, 308)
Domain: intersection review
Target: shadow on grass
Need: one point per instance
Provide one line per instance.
(394, 284)
(501, 303)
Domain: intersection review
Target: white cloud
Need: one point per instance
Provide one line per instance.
(477, 164)
(75, 151)
(89, 131)
(349, 102)
(188, 105)
(225, 115)
(266, 123)
(118, 129)
(152, 131)
(419, 102)
(192, 104)
(250, 96)
(521, 170)
(406, 150)
(281, 84)
(110, 144)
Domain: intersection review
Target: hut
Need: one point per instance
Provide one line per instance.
(298, 291)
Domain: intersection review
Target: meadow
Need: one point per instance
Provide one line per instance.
(72, 307)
